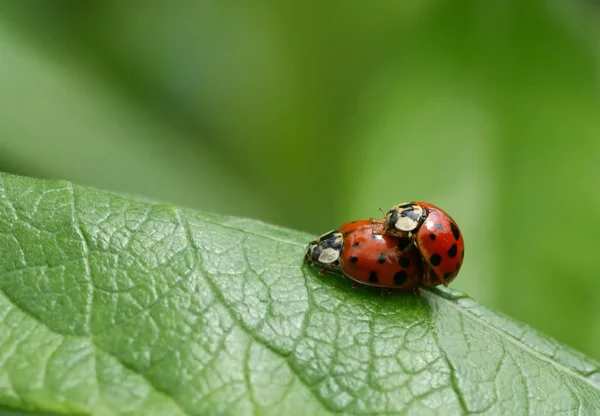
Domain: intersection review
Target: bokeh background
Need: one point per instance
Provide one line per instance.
(309, 114)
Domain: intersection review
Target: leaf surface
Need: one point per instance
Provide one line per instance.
(112, 306)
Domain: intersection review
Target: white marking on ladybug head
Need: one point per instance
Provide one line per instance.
(329, 255)
(406, 224)
(407, 216)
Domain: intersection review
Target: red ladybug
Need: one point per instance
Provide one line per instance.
(368, 256)
(435, 235)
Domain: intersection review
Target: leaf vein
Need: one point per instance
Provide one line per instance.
(86, 259)
(518, 343)
(184, 222)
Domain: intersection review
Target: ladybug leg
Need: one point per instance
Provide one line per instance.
(354, 285)
(417, 292)
(376, 220)
(325, 269)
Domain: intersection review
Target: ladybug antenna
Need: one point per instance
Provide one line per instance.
(382, 211)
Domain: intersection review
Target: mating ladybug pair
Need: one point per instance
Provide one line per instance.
(416, 245)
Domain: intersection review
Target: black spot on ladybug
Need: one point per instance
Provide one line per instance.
(393, 217)
(381, 258)
(404, 262)
(353, 259)
(411, 213)
(458, 266)
(315, 254)
(452, 251)
(400, 277)
(432, 236)
(447, 275)
(462, 255)
(331, 242)
(435, 260)
(373, 277)
(438, 226)
(355, 244)
(455, 231)
(403, 242)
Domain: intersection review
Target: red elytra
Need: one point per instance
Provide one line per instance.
(373, 258)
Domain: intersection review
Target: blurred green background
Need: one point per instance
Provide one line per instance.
(310, 114)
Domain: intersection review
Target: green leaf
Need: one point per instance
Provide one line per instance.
(111, 306)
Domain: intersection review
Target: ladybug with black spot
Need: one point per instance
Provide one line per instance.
(434, 234)
(368, 256)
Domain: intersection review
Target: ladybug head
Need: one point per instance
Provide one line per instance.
(404, 218)
(325, 251)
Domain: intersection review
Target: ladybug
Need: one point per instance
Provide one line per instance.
(435, 235)
(368, 256)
